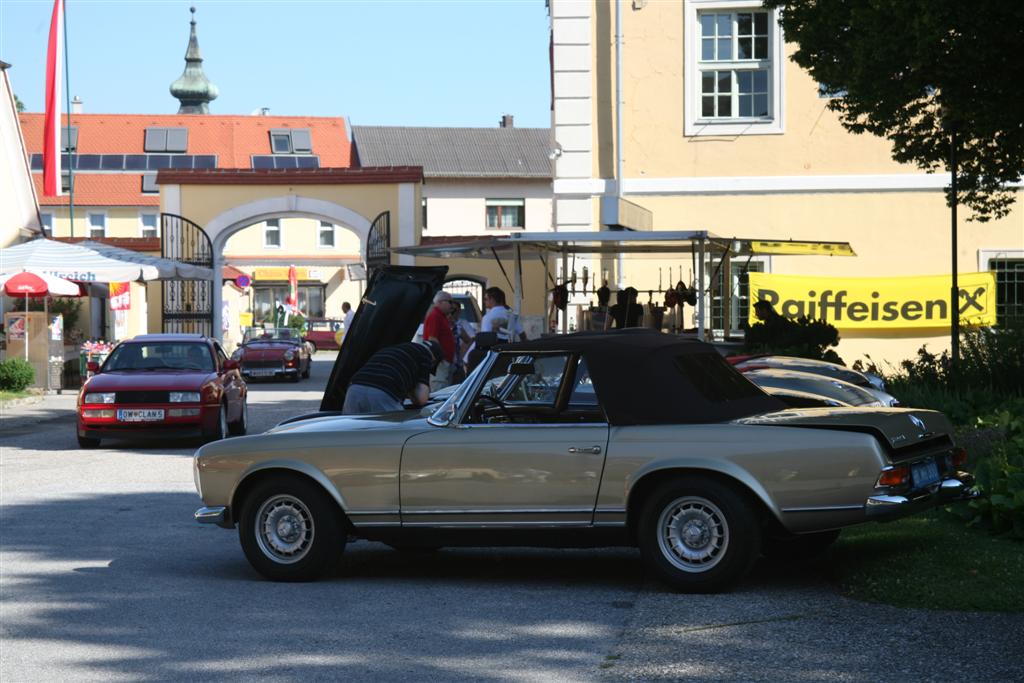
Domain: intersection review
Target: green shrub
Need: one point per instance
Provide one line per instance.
(1000, 478)
(801, 337)
(16, 374)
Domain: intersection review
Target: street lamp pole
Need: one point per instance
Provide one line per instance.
(954, 294)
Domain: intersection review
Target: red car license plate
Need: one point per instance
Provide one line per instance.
(140, 414)
(925, 473)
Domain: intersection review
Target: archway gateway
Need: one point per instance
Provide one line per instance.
(225, 201)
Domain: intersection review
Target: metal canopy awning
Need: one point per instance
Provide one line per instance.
(624, 242)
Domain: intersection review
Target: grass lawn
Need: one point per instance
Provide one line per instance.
(931, 561)
(10, 395)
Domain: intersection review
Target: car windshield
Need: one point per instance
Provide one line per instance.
(256, 335)
(441, 415)
(170, 355)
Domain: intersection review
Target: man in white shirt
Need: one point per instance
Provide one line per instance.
(498, 319)
(347, 314)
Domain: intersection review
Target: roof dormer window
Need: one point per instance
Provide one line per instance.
(173, 140)
(291, 141)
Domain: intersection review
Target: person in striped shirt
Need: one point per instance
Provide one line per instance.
(391, 375)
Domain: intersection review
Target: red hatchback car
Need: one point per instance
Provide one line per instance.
(159, 385)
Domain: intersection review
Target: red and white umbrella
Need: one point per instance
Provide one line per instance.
(29, 284)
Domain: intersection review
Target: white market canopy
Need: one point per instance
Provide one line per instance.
(94, 262)
(624, 242)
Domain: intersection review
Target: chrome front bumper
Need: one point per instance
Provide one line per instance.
(885, 507)
(214, 515)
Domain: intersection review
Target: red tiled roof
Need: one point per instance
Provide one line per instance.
(101, 189)
(233, 139)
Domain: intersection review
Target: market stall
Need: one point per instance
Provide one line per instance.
(702, 245)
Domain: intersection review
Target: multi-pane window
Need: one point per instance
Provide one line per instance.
(272, 233)
(325, 234)
(735, 66)
(506, 213)
(97, 225)
(267, 297)
(1009, 289)
(738, 292)
(291, 141)
(148, 225)
(173, 140)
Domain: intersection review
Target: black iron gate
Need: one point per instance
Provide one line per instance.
(378, 243)
(187, 304)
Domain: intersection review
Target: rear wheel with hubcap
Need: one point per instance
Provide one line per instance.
(290, 530)
(698, 534)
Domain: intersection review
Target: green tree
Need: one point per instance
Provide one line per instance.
(18, 104)
(914, 71)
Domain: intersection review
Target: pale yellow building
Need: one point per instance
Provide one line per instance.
(718, 130)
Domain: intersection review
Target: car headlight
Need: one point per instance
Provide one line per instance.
(99, 398)
(237, 355)
(289, 355)
(184, 397)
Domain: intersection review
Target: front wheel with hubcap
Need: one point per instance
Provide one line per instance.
(220, 427)
(290, 530)
(698, 534)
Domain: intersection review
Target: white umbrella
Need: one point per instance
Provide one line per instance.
(72, 262)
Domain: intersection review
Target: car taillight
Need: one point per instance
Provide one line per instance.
(894, 476)
(959, 457)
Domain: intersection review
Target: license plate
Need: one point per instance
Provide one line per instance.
(925, 474)
(140, 415)
(262, 372)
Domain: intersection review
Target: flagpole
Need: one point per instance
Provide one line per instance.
(71, 161)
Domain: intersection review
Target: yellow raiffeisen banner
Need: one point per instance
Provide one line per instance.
(872, 303)
(281, 273)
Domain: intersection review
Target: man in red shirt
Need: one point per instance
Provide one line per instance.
(438, 328)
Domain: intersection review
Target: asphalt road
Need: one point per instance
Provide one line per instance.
(104, 575)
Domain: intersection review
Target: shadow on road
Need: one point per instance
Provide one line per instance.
(133, 581)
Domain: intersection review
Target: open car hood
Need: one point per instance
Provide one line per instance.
(396, 301)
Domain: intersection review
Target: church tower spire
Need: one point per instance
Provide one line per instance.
(193, 89)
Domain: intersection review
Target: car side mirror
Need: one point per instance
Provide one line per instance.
(231, 364)
(92, 366)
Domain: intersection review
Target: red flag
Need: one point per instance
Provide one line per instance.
(51, 123)
(293, 289)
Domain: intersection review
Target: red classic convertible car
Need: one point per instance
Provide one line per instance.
(163, 385)
(274, 352)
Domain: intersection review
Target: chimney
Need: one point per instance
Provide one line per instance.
(76, 105)
(506, 121)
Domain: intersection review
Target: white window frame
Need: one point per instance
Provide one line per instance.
(736, 265)
(142, 224)
(693, 124)
(497, 202)
(88, 222)
(267, 227)
(323, 227)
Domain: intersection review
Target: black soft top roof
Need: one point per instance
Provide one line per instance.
(645, 377)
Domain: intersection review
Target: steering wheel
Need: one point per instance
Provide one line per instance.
(498, 402)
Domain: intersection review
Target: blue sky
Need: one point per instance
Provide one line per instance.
(427, 63)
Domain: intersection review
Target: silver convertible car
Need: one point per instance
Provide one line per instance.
(618, 438)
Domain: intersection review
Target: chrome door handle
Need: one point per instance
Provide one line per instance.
(596, 450)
